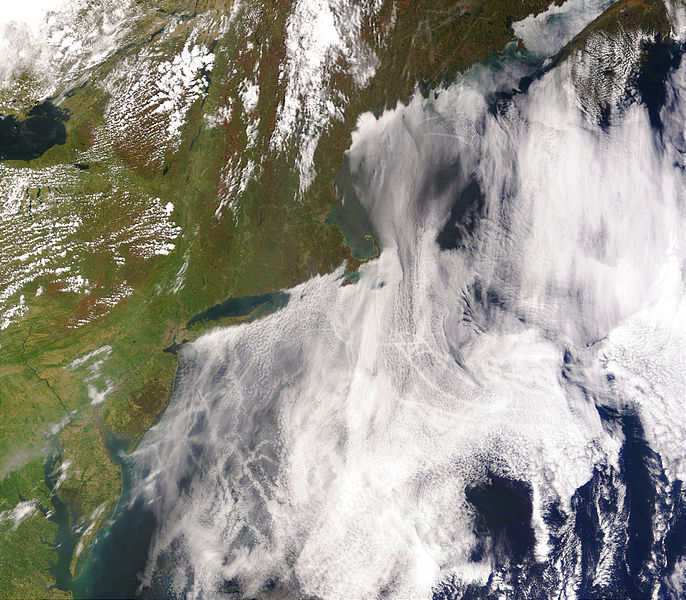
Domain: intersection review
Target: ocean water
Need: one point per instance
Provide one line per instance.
(494, 409)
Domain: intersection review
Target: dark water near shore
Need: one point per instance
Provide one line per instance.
(351, 217)
(66, 517)
(66, 514)
(661, 58)
(119, 555)
(120, 551)
(31, 137)
(242, 307)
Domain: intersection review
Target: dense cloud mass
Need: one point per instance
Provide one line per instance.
(499, 400)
